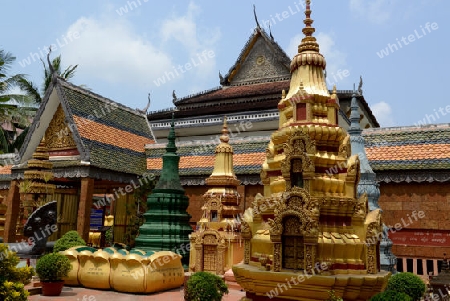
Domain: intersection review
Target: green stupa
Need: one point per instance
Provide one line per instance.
(166, 226)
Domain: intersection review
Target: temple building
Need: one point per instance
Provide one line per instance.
(94, 148)
(217, 245)
(412, 166)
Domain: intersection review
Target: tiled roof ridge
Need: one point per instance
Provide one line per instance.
(97, 96)
(408, 128)
(201, 93)
(262, 81)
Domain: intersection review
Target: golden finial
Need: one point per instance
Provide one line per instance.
(283, 94)
(224, 138)
(308, 42)
(334, 89)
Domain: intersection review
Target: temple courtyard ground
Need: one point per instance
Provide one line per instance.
(86, 294)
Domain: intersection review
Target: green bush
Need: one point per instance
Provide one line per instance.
(391, 296)
(68, 240)
(203, 286)
(12, 279)
(53, 267)
(407, 283)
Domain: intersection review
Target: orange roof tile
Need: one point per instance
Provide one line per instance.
(208, 161)
(109, 135)
(409, 152)
(5, 170)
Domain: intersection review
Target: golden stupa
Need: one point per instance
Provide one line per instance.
(310, 233)
(217, 243)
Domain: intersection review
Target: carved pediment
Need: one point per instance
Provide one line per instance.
(260, 65)
(58, 135)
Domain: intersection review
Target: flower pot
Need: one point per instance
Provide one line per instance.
(53, 288)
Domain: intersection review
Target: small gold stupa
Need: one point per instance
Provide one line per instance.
(217, 243)
(310, 234)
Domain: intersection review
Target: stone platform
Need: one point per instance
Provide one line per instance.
(290, 285)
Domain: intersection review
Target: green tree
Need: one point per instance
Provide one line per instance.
(54, 66)
(13, 106)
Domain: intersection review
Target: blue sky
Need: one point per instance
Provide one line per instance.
(126, 49)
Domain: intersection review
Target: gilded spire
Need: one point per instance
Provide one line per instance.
(308, 85)
(308, 42)
(223, 173)
(225, 138)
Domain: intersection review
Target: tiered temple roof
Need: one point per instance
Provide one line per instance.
(87, 134)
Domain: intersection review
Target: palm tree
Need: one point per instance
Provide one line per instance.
(11, 104)
(55, 66)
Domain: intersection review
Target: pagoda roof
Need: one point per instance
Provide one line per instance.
(109, 137)
(197, 159)
(409, 152)
(409, 148)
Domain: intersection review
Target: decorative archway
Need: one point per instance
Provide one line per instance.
(210, 249)
(295, 226)
(292, 244)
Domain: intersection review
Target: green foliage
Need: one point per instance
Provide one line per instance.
(13, 291)
(203, 286)
(407, 283)
(333, 297)
(68, 240)
(391, 296)
(8, 267)
(53, 267)
(12, 279)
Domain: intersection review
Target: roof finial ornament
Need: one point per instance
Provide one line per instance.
(220, 77)
(53, 73)
(256, 18)
(174, 97)
(360, 91)
(270, 32)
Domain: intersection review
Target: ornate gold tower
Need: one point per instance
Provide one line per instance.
(216, 244)
(310, 233)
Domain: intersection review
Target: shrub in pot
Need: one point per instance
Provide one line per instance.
(68, 240)
(51, 268)
(205, 286)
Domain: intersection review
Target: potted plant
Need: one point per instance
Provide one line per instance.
(51, 268)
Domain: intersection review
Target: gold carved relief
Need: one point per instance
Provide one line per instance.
(58, 135)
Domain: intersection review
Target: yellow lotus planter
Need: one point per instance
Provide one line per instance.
(123, 271)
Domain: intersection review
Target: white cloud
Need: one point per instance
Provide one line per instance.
(111, 51)
(193, 38)
(383, 113)
(376, 11)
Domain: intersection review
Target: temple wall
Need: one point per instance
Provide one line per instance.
(418, 238)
